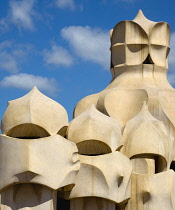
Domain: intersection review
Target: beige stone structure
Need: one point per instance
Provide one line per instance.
(116, 154)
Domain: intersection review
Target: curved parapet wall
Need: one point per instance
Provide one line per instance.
(95, 177)
(95, 133)
(33, 109)
(51, 161)
(28, 196)
(153, 191)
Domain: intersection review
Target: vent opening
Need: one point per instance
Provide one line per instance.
(27, 131)
(172, 166)
(93, 147)
(148, 60)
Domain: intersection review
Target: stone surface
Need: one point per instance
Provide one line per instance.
(95, 133)
(33, 115)
(146, 137)
(51, 161)
(153, 191)
(124, 136)
(95, 204)
(28, 197)
(95, 178)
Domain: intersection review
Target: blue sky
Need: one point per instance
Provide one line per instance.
(62, 46)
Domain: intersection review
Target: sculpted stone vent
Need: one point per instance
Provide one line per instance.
(119, 150)
(45, 116)
(95, 133)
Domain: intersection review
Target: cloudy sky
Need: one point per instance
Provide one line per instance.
(62, 46)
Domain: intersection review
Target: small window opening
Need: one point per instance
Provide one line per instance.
(63, 204)
(172, 166)
(120, 206)
(112, 65)
(160, 164)
(93, 147)
(27, 131)
(148, 60)
(27, 137)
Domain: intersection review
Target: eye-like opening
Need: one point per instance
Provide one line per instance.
(120, 180)
(148, 163)
(111, 64)
(172, 166)
(63, 131)
(93, 147)
(63, 203)
(160, 164)
(146, 197)
(27, 131)
(122, 205)
(148, 60)
(32, 195)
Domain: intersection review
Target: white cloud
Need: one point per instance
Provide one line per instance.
(22, 13)
(12, 55)
(8, 62)
(58, 56)
(4, 25)
(62, 4)
(28, 81)
(89, 44)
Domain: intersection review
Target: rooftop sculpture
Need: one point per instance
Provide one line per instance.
(115, 154)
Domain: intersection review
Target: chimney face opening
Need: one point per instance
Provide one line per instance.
(148, 60)
(28, 131)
